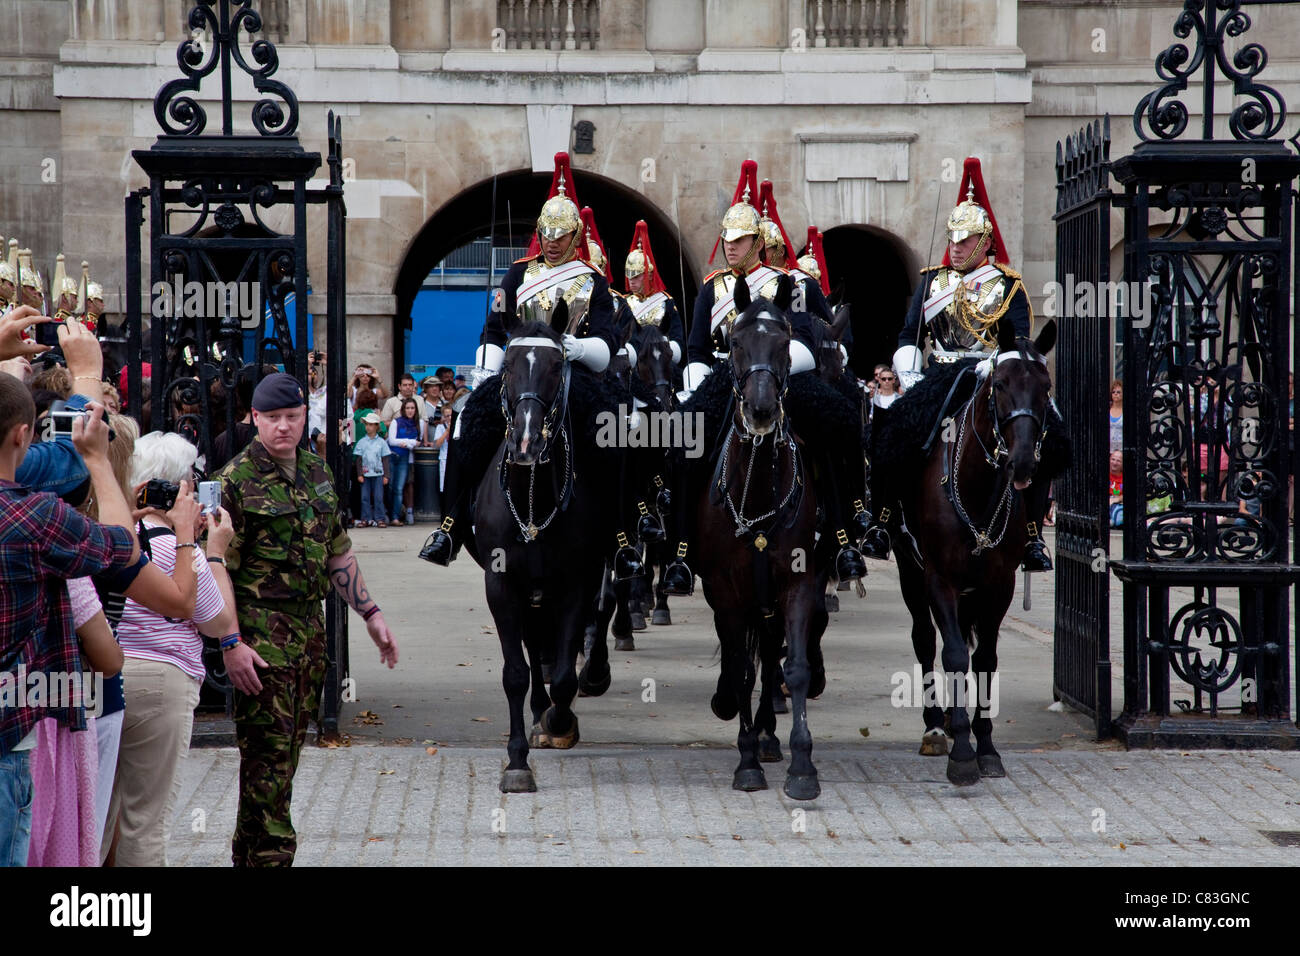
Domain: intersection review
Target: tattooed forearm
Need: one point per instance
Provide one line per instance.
(345, 574)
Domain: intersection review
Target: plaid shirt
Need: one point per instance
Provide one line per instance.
(42, 543)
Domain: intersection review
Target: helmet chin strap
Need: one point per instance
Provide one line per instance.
(568, 253)
(751, 257)
(978, 253)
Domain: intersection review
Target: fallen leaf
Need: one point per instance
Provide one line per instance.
(387, 773)
(638, 852)
(1122, 847)
(431, 750)
(481, 720)
(832, 834)
(737, 836)
(465, 664)
(376, 840)
(1269, 766)
(865, 731)
(1063, 736)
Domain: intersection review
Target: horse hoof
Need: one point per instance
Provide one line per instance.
(546, 673)
(749, 779)
(802, 787)
(769, 748)
(963, 773)
(589, 686)
(723, 709)
(518, 781)
(832, 603)
(661, 616)
(559, 741)
(778, 704)
(816, 684)
(934, 743)
(625, 643)
(991, 766)
(537, 739)
(638, 621)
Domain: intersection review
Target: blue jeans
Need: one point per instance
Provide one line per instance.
(401, 468)
(15, 808)
(372, 498)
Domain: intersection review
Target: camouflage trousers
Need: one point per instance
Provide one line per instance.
(271, 727)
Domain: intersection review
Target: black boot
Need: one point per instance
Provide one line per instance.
(1036, 556)
(848, 563)
(875, 540)
(860, 523)
(648, 527)
(627, 560)
(678, 578)
(441, 548)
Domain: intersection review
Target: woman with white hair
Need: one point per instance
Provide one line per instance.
(163, 666)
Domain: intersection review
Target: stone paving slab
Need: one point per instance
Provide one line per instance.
(601, 805)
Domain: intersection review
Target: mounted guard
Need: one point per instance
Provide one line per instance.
(959, 305)
(555, 271)
(820, 415)
(649, 299)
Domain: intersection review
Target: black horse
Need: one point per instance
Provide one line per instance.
(757, 520)
(539, 514)
(966, 519)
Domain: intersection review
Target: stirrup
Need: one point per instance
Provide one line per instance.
(849, 565)
(861, 522)
(678, 578)
(627, 560)
(648, 527)
(1036, 557)
(440, 547)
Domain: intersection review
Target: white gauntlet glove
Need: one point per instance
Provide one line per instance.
(591, 352)
(907, 365)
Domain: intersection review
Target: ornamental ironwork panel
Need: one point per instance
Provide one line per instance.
(1081, 639)
(1208, 256)
(227, 293)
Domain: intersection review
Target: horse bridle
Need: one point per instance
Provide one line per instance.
(1001, 451)
(554, 410)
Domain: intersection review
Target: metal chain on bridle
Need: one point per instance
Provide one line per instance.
(554, 422)
(783, 437)
(983, 539)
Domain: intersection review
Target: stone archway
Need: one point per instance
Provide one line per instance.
(468, 217)
(876, 272)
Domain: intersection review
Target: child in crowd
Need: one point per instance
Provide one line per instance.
(372, 454)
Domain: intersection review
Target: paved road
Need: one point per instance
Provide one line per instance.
(650, 783)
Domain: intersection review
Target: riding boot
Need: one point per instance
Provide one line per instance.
(627, 560)
(848, 562)
(875, 541)
(1036, 557)
(441, 546)
(648, 527)
(677, 577)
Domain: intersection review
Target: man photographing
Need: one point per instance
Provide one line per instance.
(289, 545)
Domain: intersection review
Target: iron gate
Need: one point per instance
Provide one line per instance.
(1208, 255)
(1081, 641)
(218, 270)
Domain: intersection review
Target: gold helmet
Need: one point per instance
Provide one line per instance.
(31, 276)
(809, 265)
(968, 218)
(93, 290)
(64, 284)
(741, 218)
(596, 256)
(9, 265)
(634, 264)
(560, 214)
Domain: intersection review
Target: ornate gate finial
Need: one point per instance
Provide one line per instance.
(196, 60)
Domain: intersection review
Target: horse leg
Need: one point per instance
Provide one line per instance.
(801, 780)
(984, 665)
(816, 662)
(749, 773)
(934, 741)
(594, 678)
(559, 721)
(636, 601)
(769, 745)
(509, 618)
(963, 770)
(661, 613)
(622, 624)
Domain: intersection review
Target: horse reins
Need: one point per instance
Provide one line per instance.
(556, 410)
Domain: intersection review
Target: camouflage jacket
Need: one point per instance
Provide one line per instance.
(285, 533)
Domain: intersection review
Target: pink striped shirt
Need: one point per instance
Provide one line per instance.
(149, 636)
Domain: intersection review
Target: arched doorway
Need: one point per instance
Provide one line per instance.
(876, 273)
(450, 235)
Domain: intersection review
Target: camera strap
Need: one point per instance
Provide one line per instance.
(147, 534)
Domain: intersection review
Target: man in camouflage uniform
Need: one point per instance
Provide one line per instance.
(289, 545)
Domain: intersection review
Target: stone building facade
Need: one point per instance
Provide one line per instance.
(860, 111)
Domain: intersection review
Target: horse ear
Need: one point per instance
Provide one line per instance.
(741, 295)
(1006, 336)
(1046, 338)
(841, 323)
(560, 317)
(784, 293)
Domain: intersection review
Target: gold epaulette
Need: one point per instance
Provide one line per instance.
(715, 274)
(932, 269)
(529, 258)
(1007, 271)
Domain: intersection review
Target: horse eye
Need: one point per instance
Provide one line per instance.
(999, 386)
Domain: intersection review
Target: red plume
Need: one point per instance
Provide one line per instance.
(971, 176)
(767, 207)
(815, 250)
(748, 177)
(641, 240)
(589, 221)
(562, 168)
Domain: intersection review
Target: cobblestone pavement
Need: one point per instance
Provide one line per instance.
(370, 805)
